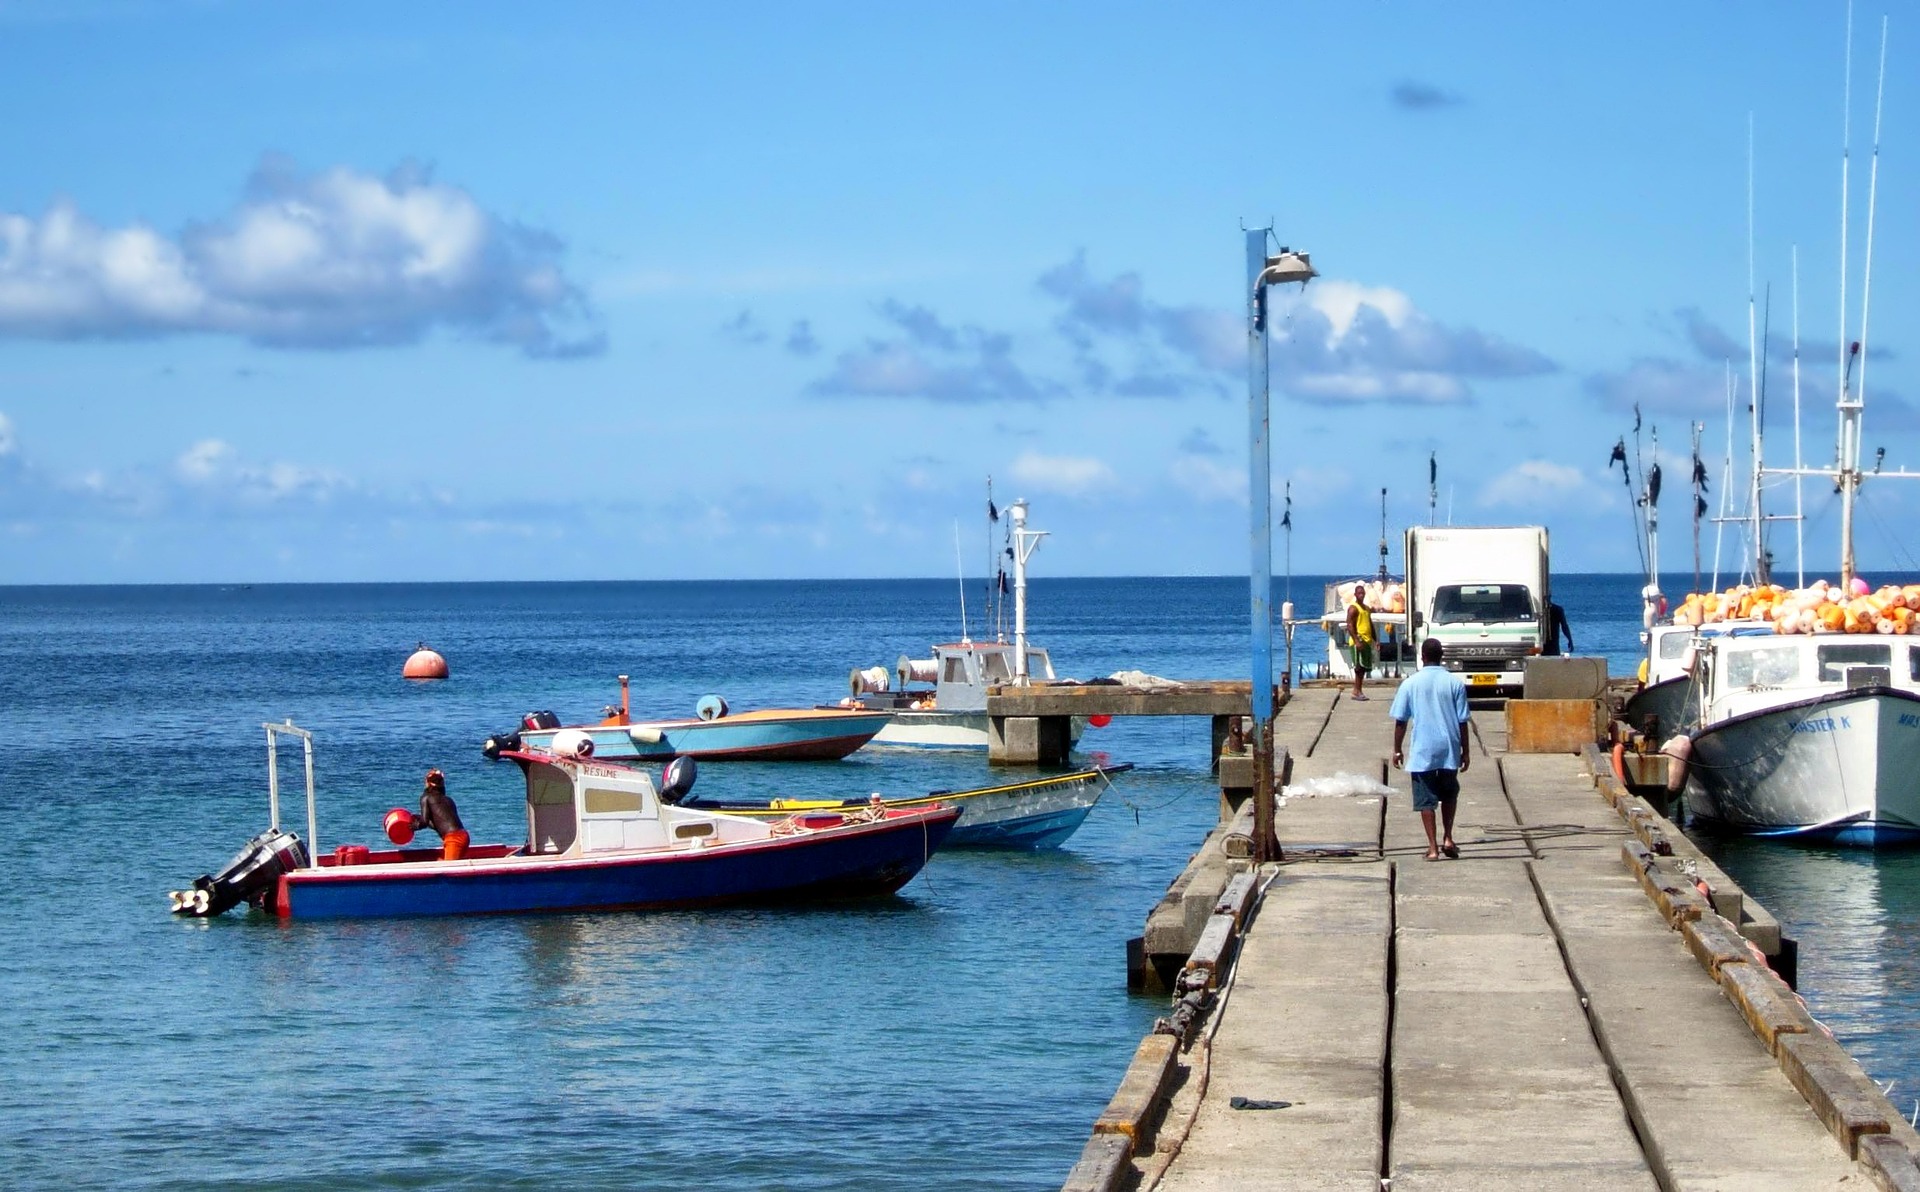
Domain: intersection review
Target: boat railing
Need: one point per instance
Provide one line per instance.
(274, 732)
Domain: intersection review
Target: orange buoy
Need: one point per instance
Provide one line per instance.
(1100, 720)
(424, 664)
(399, 825)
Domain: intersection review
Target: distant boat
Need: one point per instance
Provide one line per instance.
(715, 733)
(1039, 813)
(941, 702)
(599, 837)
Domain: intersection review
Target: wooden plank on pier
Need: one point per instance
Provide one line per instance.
(1205, 697)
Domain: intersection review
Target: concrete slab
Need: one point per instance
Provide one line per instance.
(1499, 1076)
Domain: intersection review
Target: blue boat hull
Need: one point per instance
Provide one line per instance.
(855, 861)
(1049, 830)
(745, 736)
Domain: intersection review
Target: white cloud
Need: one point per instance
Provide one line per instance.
(1539, 483)
(1065, 474)
(333, 259)
(1205, 477)
(213, 468)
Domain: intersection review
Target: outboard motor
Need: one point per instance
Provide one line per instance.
(534, 721)
(249, 877)
(677, 779)
(500, 743)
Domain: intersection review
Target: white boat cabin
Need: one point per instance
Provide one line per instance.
(961, 672)
(576, 808)
(1743, 670)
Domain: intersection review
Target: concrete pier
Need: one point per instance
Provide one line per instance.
(1559, 1008)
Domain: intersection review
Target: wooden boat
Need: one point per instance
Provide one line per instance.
(714, 733)
(1037, 813)
(600, 836)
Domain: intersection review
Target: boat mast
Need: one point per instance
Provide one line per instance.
(1799, 511)
(1383, 535)
(1852, 403)
(1761, 572)
(1024, 542)
(960, 574)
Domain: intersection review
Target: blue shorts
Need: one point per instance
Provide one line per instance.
(1434, 787)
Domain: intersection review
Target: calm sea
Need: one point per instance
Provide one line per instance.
(963, 1034)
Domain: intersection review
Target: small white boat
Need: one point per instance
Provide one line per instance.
(941, 702)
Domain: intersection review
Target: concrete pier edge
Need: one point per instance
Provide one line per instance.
(1691, 892)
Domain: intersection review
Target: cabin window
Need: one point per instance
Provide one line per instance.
(1479, 604)
(1835, 659)
(1913, 663)
(605, 802)
(995, 668)
(955, 671)
(689, 831)
(1673, 645)
(547, 786)
(1768, 666)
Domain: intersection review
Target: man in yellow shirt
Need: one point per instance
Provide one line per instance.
(1360, 637)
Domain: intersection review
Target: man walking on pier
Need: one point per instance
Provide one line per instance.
(1436, 702)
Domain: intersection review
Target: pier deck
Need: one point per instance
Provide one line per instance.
(1523, 1017)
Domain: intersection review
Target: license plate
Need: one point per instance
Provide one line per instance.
(1483, 680)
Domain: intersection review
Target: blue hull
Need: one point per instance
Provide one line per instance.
(1034, 832)
(746, 736)
(1858, 834)
(853, 862)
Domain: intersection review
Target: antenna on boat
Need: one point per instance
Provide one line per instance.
(1799, 511)
(960, 571)
(1851, 402)
(1383, 535)
(1726, 474)
(1024, 542)
(1754, 406)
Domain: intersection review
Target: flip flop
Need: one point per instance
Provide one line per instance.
(1360, 697)
(1433, 856)
(1452, 851)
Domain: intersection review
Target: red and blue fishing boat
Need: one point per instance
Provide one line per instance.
(600, 836)
(714, 733)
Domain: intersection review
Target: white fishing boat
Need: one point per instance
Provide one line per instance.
(941, 702)
(1808, 736)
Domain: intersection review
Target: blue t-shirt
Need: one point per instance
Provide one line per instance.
(1436, 702)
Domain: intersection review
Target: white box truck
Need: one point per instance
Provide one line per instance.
(1483, 592)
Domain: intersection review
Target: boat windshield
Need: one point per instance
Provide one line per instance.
(1835, 659)
(1763, 666)
(996, 668)
(1479, 604)
(1673, 645)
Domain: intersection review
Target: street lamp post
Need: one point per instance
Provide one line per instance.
(1263, 271)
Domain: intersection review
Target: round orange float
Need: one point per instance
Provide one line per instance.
(424, 664)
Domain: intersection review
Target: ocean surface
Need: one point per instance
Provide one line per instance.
(961, 1035)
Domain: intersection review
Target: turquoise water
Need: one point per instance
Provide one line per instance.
(961, 1035)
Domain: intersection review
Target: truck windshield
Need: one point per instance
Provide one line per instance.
(1476, 604)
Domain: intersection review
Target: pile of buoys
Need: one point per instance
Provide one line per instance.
(1389, 597)
(1818, 608)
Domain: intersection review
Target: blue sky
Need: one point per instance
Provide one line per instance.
(624, 291)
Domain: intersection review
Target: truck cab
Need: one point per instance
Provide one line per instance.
(1483, 591)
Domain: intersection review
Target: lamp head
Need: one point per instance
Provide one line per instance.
(1288, 266)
